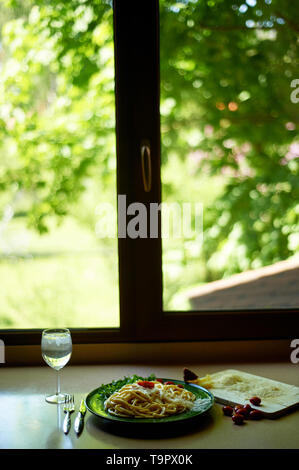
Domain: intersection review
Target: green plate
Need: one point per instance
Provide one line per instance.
(96, 406)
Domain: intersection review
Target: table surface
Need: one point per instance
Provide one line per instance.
(28, 422)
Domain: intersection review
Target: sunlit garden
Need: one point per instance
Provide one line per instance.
(229, 141)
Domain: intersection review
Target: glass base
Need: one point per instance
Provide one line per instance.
(56, 399)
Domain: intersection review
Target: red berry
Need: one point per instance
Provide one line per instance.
(238, 419)
(255, 401)
(255, 414)
(227, 410)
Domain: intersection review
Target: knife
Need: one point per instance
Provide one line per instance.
(79, 421)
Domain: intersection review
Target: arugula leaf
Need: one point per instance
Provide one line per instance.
(104, 391)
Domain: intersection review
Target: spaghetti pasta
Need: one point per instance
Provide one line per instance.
(156, 400)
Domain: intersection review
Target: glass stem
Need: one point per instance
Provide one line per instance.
(58, 383)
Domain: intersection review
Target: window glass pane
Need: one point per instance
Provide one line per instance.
(58, 245)
(229, 117)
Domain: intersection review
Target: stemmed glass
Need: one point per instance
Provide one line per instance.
(56, 352)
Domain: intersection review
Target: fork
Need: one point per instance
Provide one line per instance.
(68, 408)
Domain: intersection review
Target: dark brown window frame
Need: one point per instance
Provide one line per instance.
(137, 82)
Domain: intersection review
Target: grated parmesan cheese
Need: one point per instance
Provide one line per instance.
(258, 386)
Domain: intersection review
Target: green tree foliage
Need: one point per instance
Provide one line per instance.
(57, 103)
(226, 69)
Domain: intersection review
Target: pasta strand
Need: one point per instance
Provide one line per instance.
(134, 400)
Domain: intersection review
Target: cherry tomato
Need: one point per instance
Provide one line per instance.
(243, 412)
(247, 407)
(227, 410)
(255, 401)
(169, 383)
(146, 384)
(237, 418)
(238, 407)
(255, 414)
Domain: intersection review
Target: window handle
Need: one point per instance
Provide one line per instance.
(146, 166)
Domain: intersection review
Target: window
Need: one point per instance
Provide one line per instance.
(137, 93)
(229, 129)
(58, 166)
